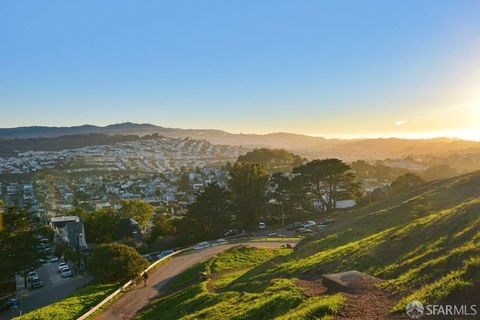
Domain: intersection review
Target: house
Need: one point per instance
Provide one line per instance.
(70, 229)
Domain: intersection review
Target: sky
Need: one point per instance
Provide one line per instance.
(343, 68)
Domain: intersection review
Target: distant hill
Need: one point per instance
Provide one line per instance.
(11, 147)
(307, 146)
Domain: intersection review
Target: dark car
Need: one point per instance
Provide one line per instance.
(231, 233)
(8, 304)
(164, 253)
(295, 226)
(36, 283)
(304, 231)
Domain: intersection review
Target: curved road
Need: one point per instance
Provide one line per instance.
(134, 300)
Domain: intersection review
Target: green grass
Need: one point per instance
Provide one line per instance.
(74, 306)
(424, 244)
(191, 299)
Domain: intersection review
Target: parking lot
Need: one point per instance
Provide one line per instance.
(55, 288)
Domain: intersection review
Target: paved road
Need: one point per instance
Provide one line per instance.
(132, 301)
(55, 288)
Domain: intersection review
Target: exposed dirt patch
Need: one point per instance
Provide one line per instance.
(369, 304)
(313, 288)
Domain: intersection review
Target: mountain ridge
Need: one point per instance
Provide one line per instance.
(311, 147)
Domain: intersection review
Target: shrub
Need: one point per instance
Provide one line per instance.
(116, 262)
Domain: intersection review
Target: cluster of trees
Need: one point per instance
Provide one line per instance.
(101, 225)
(377, 170)
(406, 183)
(273, 159)
(246, 200)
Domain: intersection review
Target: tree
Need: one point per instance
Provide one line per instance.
(274, 159)
(328, 180)
(116, 263)
(101, 225)
(439, 172)
(406, 183)
(210, 214)
(19, 242)
(248, 185)
(162, 227)
(138, 210)
(183, 183)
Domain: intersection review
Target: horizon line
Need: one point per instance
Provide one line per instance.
(463, 135)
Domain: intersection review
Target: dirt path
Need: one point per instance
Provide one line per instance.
(134, 300)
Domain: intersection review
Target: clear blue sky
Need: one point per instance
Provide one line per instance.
(336, 68)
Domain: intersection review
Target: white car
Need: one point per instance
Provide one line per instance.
(262, 225)
(219, 242)
(66, 272)
(202, 245)
(62, 265)
(309, 224)
(53, 259)
(32, 274)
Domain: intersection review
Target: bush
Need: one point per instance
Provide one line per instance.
(116, 262)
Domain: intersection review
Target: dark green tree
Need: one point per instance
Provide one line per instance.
(101, 225)
(115, 263)
(248, 186)
(328, 180)
(138, 210)
(406, 183)
(277, 160)
(210, 214)
(19, 242)
(162, 227)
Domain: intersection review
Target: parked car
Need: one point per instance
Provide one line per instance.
(65, 272)
(295, 226)
(262, 225)
(36, 283)
(320, 227)
(304, 231)
(309, 224)
(53, 259)
(62, 265)
(202, 245)
(31, 275)
(165, 253)
(8, 304)
(218, 242)
(152, 257)
(231, 233)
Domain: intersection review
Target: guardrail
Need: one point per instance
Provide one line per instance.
(126, 285)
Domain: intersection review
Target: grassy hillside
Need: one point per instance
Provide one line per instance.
(74, 306)
(425, 245)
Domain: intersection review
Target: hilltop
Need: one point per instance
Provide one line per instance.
(307, 146)
(423, 245)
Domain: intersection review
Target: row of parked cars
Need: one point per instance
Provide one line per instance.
(64, 270)
(309, 227)
(34, 280)
(207, 244)
(154, 256)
